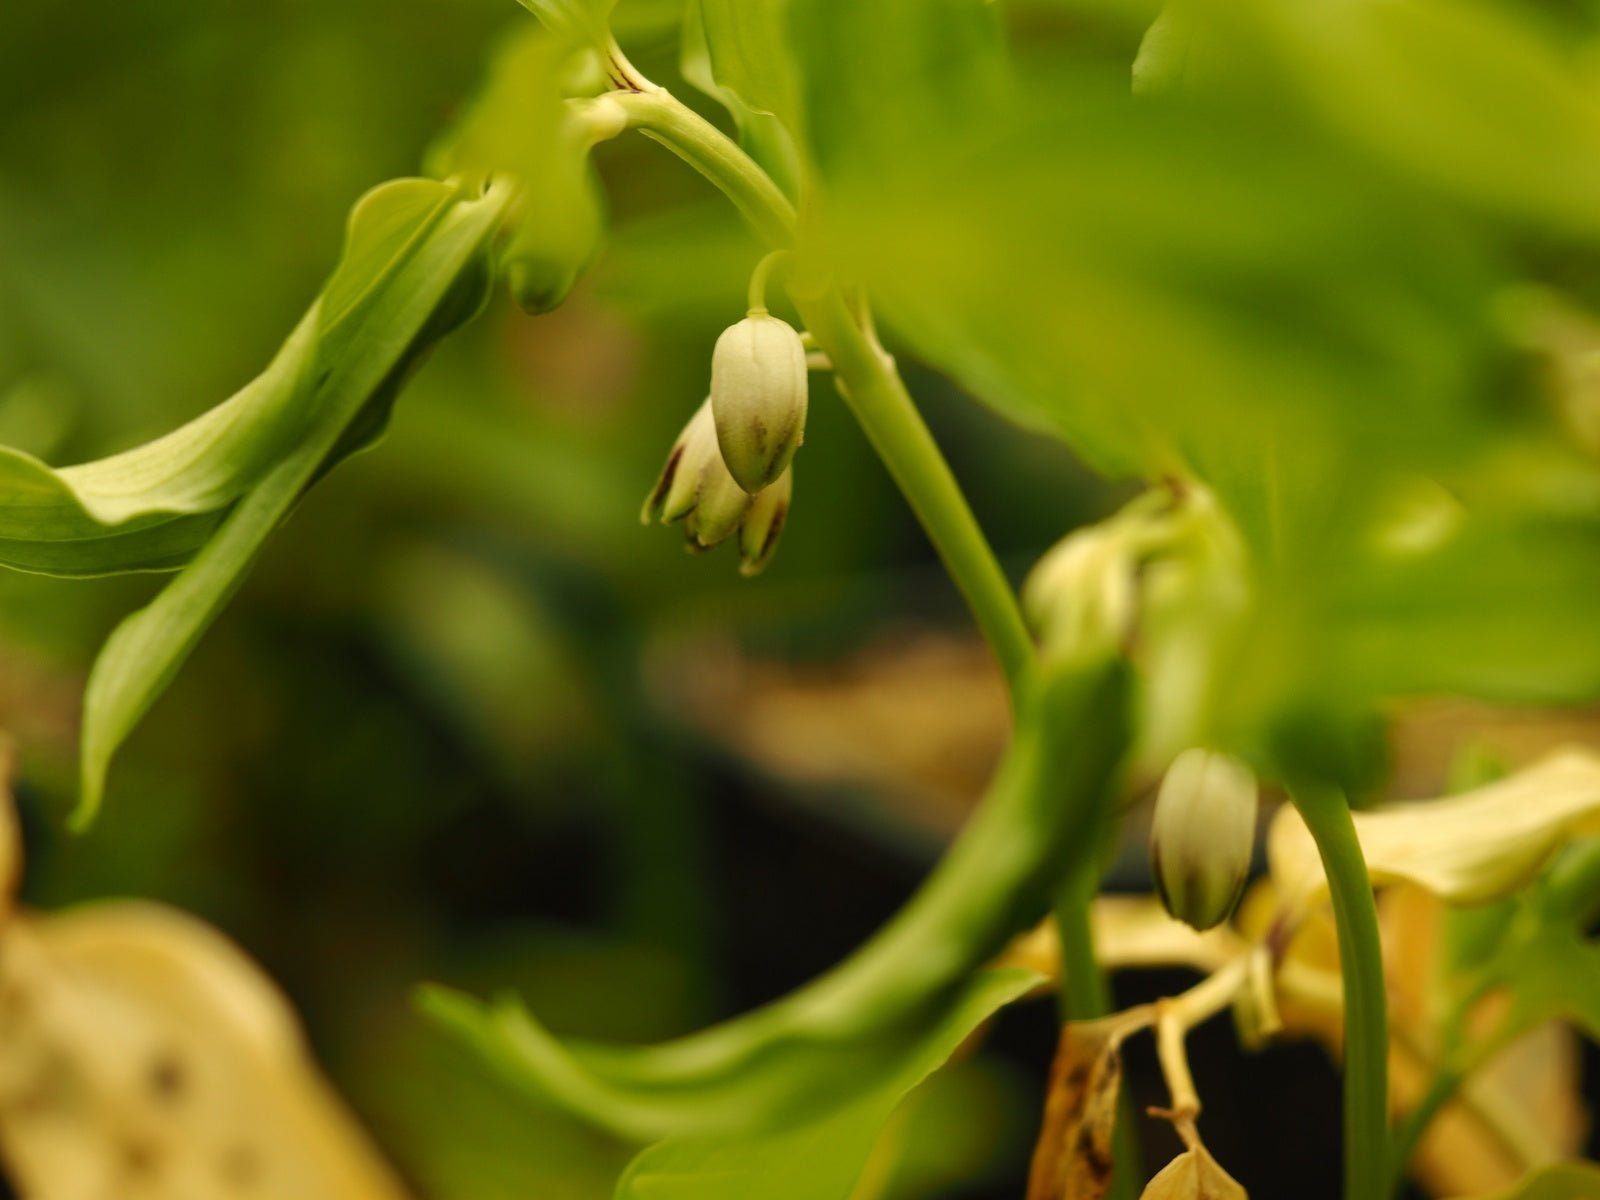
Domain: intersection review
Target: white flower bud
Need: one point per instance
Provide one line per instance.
(1203, 835)
(758, 396)
(695, 487)
(763, 523)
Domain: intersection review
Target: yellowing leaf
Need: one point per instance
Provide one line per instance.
(145, 1056)
(1193, 1175)
(1466, 849)
(10, 835)
(1129, 931)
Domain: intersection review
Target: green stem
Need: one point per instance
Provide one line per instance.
(866, 377)
(711, 152)
(873, 389)
(1366, 1030)
(757, 298)
(1085, 994)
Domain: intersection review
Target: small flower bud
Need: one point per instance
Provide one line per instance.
(1081, 594)
(1203, 835)
(695, 487)
(763, 523)
(758, 396)
(551, 249)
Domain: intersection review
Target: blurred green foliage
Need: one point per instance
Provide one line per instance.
(442, 651)
(1280, 270)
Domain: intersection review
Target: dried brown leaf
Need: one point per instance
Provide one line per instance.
(1073, 1158)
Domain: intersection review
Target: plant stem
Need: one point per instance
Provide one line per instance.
(1085, 994)
(866, 377)
(661, 117)
(873, 389)
(757, 298)
(1366, 1033)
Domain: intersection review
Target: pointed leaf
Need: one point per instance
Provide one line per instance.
(410, 246)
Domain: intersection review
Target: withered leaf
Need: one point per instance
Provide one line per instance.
(1073, 1158)
(1468, 848)
(143, 1055)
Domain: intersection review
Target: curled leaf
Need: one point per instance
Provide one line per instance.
(1073, 1157)
(778, 1063)
(411, 270)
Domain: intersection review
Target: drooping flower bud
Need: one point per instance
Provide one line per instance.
(763, 523)
(553, 246)
(758, 396)
(1203, 835)
(1081, 595)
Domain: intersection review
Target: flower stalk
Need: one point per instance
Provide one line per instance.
(1366, 1024)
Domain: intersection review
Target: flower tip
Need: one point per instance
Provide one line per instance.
(763, 525)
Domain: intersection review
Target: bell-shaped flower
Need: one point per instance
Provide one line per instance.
(758, 398)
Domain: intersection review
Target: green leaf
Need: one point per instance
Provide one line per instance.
(1559, 1181)
(824, 1156)
(412, 245)
(127, 512)
(803, 1115)
(581, 20)
(1469, 97)
(1552, 973)
(1163, 285)
(737, 51)
(797, 1058)
(1501, 609)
